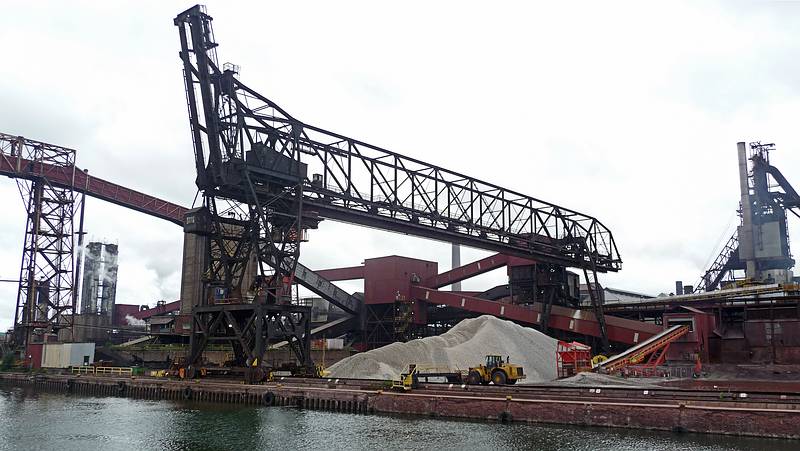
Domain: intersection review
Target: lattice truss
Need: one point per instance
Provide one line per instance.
(359, 178)
(46, 295)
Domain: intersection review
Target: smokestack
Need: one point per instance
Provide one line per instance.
(455, 260)
(745, 232)
(108, 292)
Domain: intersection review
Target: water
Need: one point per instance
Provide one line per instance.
(45, 421)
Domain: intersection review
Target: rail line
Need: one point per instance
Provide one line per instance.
(651, 393)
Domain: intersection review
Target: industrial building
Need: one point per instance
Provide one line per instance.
(268, 178)
(99, 288)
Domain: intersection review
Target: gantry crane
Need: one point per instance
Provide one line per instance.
(266, 178)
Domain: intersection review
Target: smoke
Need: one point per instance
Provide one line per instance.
(107, 263)
(132, 321)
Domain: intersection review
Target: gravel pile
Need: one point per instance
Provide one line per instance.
(605, 380)
(465, 345)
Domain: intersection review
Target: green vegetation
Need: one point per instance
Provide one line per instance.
(7, 362)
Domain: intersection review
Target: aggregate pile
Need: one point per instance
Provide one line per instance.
(467, 344)
(605, 380)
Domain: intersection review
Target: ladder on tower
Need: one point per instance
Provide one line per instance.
(403, 318)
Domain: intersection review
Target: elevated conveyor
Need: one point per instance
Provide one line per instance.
(333, 328)
(654, 347)
(74, 178)
(562, 318)
(327, 290)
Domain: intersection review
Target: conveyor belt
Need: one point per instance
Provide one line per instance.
(645, 347)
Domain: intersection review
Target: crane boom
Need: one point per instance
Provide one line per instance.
(237, 129)
(267, 177)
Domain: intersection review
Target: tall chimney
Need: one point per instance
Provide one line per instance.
(746, 244)
(455, 260)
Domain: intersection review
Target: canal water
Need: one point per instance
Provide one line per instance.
(46, 421)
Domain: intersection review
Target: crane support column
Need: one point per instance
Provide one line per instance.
(46, 295)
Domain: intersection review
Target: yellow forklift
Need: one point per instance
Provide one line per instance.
(495, 370)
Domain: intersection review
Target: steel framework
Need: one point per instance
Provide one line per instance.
(767, 204)
(726, 261)
(290, 174)
(253, 214)
(360, 183)
(250, 329)
(46, 294)
(69, 177)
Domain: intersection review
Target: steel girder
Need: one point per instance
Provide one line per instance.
(727, 260)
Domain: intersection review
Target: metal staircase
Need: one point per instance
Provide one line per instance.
(403, 318)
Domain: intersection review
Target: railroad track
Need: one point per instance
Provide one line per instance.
(588, 392)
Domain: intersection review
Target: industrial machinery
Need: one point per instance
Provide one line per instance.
(646, 356)
(496, 370)
(408, 380)
(758, 252)
(411, 378)
(47, 289)
(573, 358)
(266, 178)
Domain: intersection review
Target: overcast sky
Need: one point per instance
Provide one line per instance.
(624, 111)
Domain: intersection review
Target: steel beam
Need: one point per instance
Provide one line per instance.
(467, 271)
(349, 273)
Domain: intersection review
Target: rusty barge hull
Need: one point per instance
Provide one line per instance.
(667, 409)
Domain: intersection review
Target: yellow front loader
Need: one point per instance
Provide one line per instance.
(495, 370)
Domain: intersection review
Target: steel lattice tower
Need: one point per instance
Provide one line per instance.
(46, 295)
